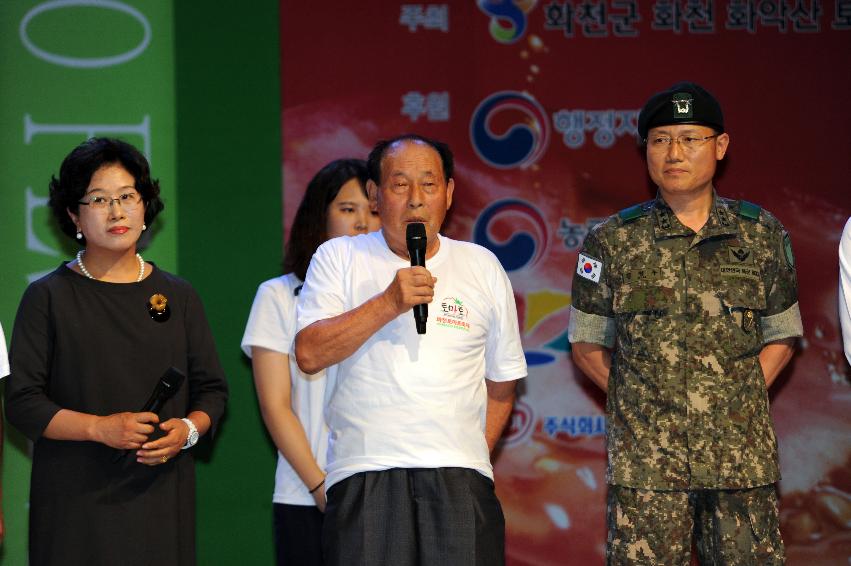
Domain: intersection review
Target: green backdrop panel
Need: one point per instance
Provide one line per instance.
(229, 179)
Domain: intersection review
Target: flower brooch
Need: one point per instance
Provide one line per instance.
(158, 307)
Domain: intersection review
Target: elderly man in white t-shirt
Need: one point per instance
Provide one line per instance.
(412, 417)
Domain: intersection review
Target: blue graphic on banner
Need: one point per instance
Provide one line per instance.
(522, 249)
(538, 358)
(522, 144)
(561, 343)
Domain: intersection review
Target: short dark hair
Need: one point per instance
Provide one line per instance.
(76, 172)
(310, 226)
(373, 162)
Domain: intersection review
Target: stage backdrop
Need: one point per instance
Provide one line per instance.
(539, 102)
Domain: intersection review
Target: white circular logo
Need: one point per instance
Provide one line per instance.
(85, 62)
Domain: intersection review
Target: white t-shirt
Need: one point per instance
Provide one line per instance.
(4, 357)
(404, 400)
(271, 325)
(845, 288)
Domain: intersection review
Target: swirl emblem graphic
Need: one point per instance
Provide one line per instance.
(522, 144)
(521, 424)
(527, 237)
(507, 18)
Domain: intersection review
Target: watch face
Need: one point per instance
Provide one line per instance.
(193, 434)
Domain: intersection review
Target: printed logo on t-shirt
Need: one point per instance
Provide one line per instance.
(453, 314)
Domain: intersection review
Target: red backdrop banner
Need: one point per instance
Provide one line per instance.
(538, 101)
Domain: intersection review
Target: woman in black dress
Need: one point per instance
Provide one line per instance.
(111, 485)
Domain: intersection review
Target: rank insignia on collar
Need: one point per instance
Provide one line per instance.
(683, 105)
(664, 219)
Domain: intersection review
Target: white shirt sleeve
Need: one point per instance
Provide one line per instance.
(271, 324)
(4, 358)
(323, 293)
(504, 357)
(845, 288)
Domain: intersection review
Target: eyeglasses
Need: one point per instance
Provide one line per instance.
(659, 143)
(128, 201)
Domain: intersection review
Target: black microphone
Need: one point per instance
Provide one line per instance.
(417, 240)
(164, 390)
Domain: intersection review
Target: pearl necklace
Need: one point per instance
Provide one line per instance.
(89, 275)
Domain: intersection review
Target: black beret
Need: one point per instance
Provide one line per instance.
(683, 103)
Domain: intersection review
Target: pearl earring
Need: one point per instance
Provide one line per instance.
(144, 227)
(79, 235)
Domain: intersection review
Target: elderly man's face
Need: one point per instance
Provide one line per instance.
(678, 170)
(413, 189)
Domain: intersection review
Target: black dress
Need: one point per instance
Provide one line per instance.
(93, 347)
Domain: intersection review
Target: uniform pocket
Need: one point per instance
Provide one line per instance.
(642, 318)
(742, 308)
(744, 297)
(764, 519)
(642, 300)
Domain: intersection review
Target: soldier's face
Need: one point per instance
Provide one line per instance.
(678, 170)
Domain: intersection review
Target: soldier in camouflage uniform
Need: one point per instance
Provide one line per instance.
(685, 310)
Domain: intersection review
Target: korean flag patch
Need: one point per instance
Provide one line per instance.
(589, 268)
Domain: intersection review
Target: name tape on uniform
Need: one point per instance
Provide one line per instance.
(589, 268)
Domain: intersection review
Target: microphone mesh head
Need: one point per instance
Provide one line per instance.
(415, 235)
(173, 378)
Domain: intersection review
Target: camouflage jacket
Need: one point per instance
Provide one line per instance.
(687, 315)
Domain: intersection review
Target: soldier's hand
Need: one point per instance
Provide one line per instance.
(411, 286)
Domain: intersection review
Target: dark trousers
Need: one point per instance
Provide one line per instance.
(298, 535)
(414, 517)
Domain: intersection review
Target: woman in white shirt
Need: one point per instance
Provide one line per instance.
(334, 204)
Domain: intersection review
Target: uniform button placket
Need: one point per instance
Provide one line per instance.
(685, 328)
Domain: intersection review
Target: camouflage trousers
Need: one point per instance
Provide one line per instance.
(728, 527)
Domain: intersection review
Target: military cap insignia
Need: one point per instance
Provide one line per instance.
(589, 268)
(683, 105)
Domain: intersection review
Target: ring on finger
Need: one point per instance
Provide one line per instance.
(164, 459)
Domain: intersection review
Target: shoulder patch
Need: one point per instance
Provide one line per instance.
(749, 210)
(589, 268)
(631, 213)
(787, 250)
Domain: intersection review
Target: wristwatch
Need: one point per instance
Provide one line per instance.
(193, 434)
